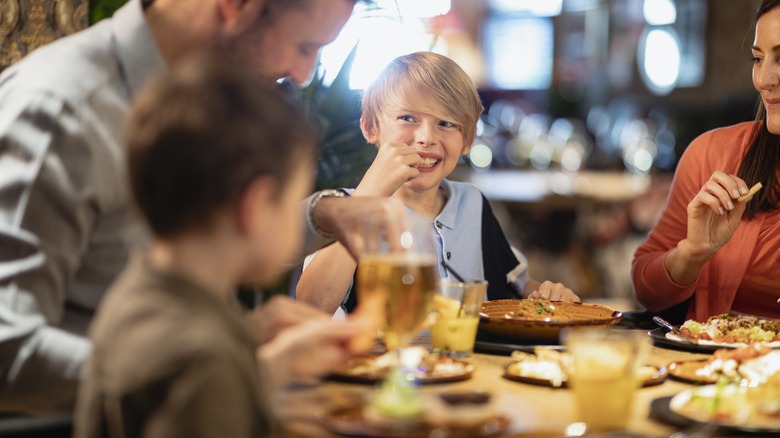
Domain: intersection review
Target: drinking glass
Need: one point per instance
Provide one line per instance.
(456, 309)
(396, 278)
(603, 374)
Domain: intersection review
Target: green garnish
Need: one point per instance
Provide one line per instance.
(397, 397)
(541, 308)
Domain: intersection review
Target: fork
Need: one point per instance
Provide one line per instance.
(667, 325)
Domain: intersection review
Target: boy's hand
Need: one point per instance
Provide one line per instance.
(280, 313)
(369, 317)
(309, 349)
(395, 164)
(551, 291)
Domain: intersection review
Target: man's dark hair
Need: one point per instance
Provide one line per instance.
(200, 133)
(272, 9)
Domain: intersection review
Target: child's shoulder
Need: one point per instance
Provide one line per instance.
(131, 321)
(144, 343)
(463, 199)
(141, 320)
(461, 186)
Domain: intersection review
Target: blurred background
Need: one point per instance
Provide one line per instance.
(589, 105)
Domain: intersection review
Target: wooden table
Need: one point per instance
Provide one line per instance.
(531, 409)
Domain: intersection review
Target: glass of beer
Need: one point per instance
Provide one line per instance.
(396, 280)
(603, 374)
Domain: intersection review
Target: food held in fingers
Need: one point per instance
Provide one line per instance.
(753, 190)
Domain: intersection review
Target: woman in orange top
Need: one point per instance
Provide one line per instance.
(712, 249)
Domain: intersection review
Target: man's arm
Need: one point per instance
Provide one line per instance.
(41, 365)
(342, 218)
(313, 239)
(45, 219)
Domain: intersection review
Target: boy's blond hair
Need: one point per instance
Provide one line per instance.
(425, 82)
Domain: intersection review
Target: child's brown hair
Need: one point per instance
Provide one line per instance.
(200, 133)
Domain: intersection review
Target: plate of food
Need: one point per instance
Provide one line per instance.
(351, 421)
(429, 368)
(749, 365)
(546, 367)
(747, 408)
(396, 409)
(720, 331)
(540, 321)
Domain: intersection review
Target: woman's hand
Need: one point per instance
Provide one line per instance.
(715, 213)
(395, 164)
(713, 216)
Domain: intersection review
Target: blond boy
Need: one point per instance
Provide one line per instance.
(422, 112)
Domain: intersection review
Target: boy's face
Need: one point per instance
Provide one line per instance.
(276, 234)
(438, 142)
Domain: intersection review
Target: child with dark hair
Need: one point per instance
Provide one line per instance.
(218, 165)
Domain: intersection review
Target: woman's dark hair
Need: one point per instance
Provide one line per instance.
(760, 163)
(200, 133)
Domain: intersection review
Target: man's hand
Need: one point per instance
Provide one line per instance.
(280, 313)
(345, 217)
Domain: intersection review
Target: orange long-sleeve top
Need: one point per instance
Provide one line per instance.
(753, 247)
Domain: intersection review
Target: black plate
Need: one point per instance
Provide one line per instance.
(661, 411)
(486, 346)
(660, 340)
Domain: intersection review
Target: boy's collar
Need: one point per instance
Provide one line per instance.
(448, 214)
